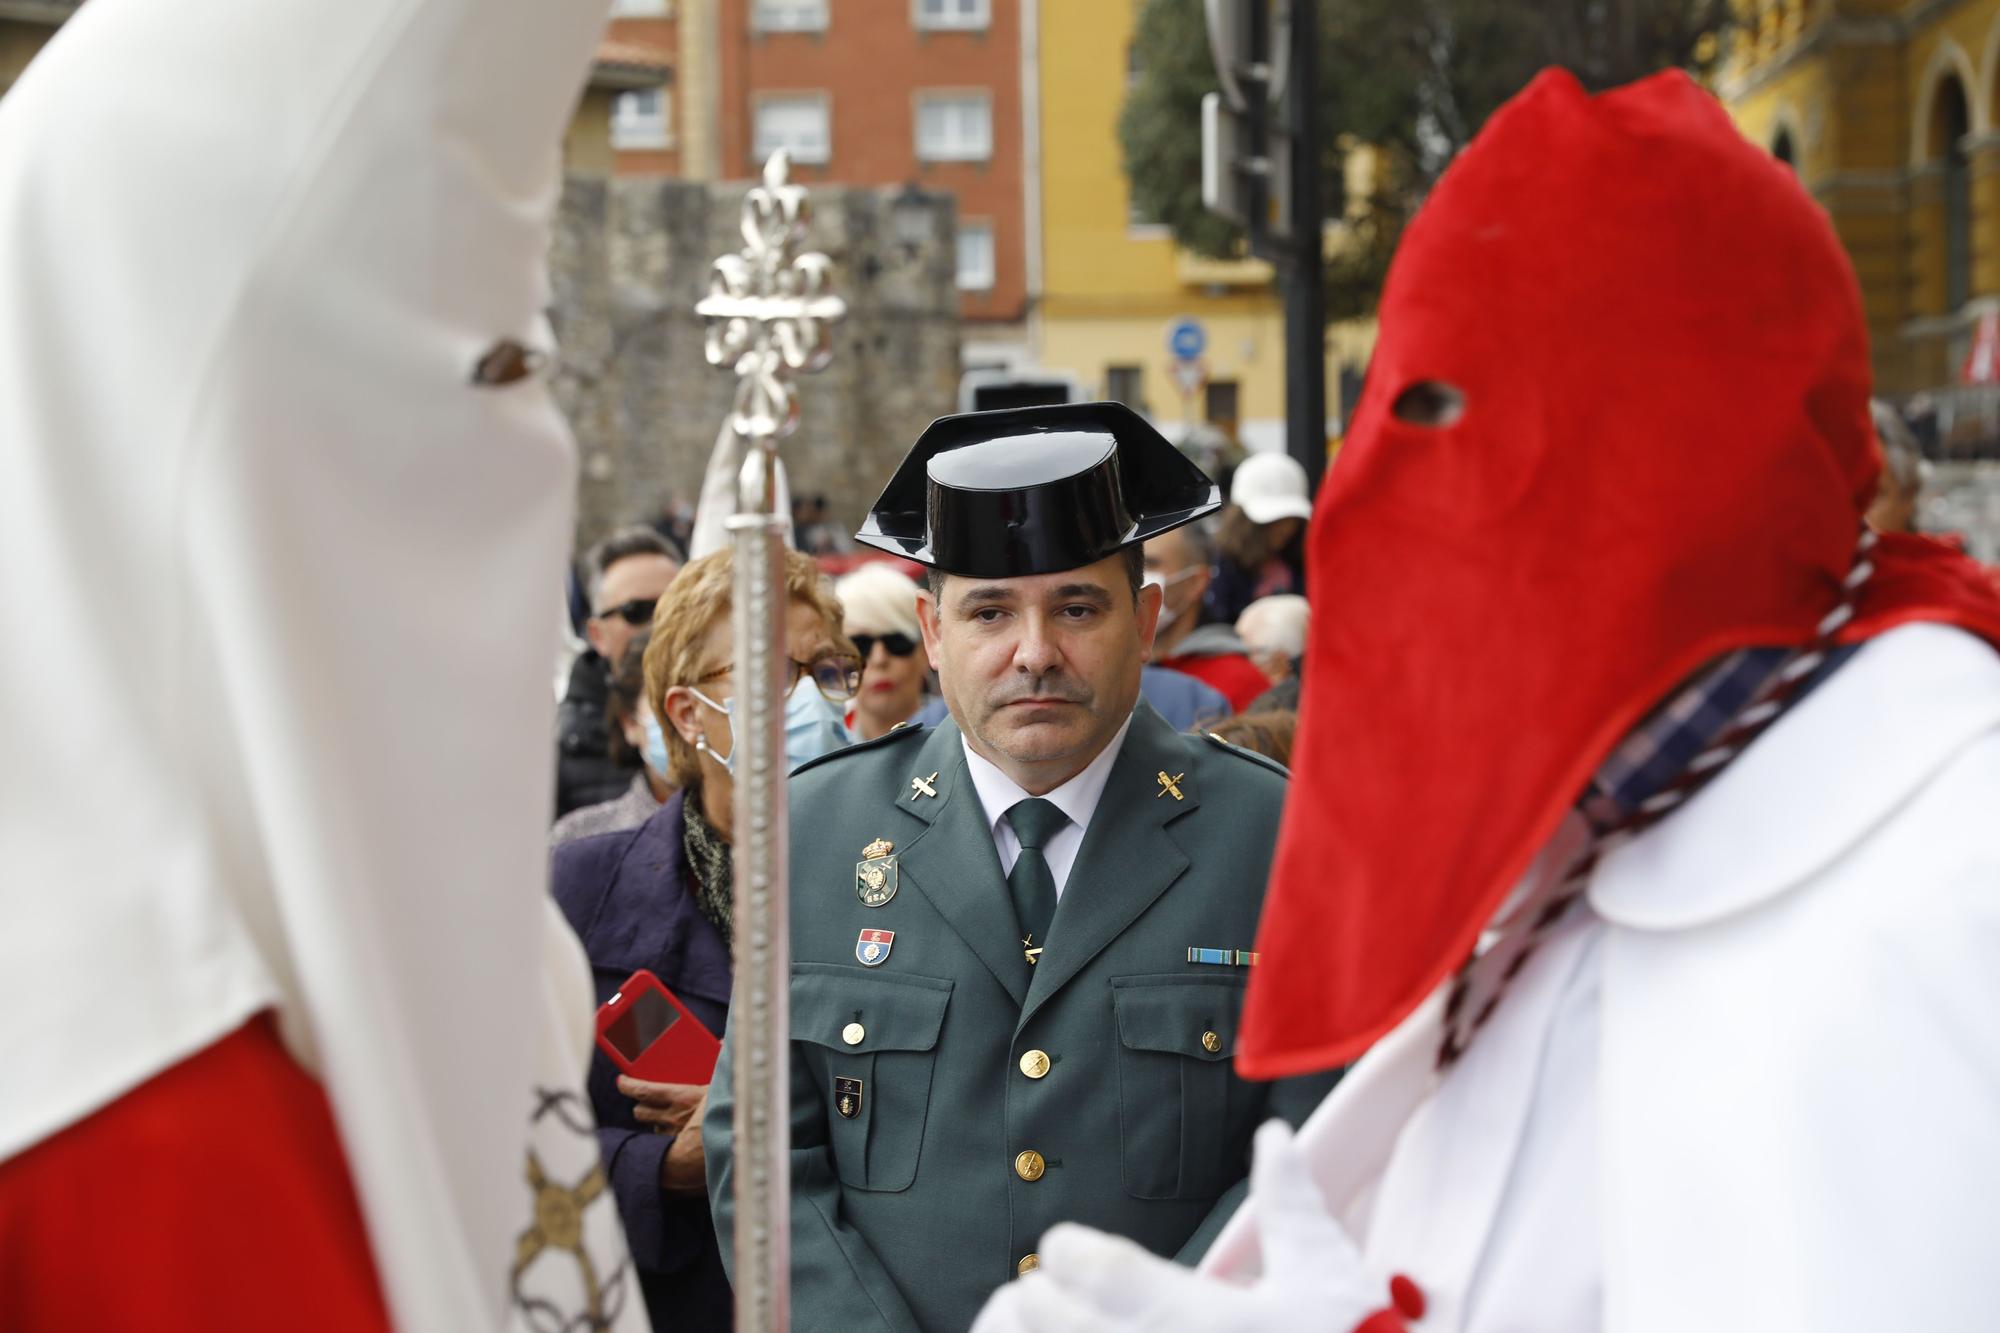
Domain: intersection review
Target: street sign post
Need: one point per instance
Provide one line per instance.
(1190, 377)
(1186, 339)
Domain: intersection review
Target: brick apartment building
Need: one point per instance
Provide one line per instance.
(920, 93)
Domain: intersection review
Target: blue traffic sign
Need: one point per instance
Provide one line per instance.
(1186, 339)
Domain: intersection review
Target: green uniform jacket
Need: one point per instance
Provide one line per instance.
(1109, 1058)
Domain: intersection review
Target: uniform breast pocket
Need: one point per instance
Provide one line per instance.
(871, 1041)
(1175, 1038)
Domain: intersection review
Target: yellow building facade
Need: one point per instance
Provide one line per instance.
(1887, 110)
(1110, 289)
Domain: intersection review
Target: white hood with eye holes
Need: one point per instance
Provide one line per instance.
(275, 706)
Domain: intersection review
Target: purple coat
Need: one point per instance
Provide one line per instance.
(626, 896)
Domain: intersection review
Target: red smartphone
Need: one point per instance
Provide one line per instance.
(650, 1035)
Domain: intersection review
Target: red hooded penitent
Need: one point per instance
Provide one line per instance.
(1664, 455)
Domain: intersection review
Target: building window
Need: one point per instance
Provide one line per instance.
(797, 124)
(1127, 385)
(1784, 150)
(639, 9)
(953, 14)
(789, 16)
(1953, 122)
(639, 120)
(954, 127)
(1220, 404)
(975, 256)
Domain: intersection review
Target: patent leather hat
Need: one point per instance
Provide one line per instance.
(1035, 490)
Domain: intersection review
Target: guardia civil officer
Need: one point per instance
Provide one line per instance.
(1020, 939)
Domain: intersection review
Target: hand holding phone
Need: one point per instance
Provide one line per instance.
(650, 1035)
(665, 1108)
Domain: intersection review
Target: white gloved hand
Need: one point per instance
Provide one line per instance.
(1313, 1279)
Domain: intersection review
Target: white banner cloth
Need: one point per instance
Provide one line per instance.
(720, 494)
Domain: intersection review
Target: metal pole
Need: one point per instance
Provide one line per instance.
(1305, 291)
(769, 312)
(759, 1018)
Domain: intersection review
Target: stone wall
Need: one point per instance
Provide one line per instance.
(630, 260)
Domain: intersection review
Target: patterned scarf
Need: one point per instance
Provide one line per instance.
(1664, 761)
(707, 855)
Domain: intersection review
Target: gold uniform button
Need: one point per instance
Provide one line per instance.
(1028, 1265)
(1029, 1166)
(853, 1033)
(1210, 1042)
(1035, 1063)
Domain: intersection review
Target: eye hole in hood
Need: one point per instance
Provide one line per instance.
(1429, 403)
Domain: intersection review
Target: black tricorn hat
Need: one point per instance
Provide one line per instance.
(1035, 490)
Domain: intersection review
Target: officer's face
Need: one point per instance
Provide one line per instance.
(1040, 672)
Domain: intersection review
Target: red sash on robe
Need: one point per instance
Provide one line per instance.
(213, 1196)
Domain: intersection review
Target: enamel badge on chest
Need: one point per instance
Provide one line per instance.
(875, 873)
(872, 949)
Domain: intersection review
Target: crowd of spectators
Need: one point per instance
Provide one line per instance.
(646, 761)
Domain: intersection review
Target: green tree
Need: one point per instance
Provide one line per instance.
(1414, 79)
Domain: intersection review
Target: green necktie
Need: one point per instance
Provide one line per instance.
(1034, 822)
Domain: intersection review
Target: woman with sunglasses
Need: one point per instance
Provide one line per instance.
(881, 606)
(658, 897)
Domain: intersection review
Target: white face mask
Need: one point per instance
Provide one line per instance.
(1168, 614)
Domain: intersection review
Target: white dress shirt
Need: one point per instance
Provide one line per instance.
(1076, 798)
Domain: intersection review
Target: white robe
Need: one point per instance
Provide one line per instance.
(274, 707)
(1757, 1091)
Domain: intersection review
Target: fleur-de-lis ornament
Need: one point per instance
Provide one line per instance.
(770, 310)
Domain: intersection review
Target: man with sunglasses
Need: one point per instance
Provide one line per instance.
(626, 574)
(1020, 938)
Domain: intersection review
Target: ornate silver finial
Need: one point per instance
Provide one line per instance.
(770, 310)
(769, 315)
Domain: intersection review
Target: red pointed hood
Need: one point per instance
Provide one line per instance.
(1664, 455)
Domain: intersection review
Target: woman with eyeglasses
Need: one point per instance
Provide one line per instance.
(658, 897)
(881, 606)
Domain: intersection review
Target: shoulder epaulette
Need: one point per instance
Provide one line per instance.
(901, 731)
(1264, 761)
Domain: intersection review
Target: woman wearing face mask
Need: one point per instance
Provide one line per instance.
(625, 721)
(881, 606)
(658, 897)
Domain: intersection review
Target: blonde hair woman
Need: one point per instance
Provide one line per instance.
(881, 606)
(658, 897)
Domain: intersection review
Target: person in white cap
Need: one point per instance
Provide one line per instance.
(290, 1034)
(1258, 546)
